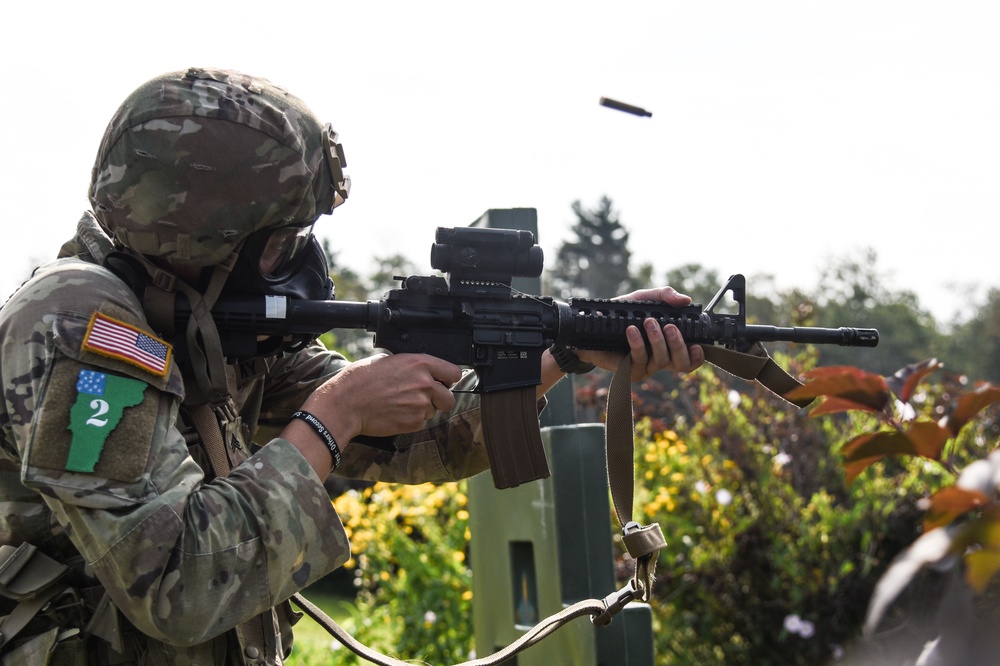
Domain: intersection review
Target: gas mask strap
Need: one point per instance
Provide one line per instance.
(153, 285)
(158, 300)
(204, 345)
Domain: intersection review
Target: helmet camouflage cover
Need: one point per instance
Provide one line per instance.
(193, 162)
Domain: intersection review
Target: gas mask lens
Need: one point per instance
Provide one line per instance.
(282, 247)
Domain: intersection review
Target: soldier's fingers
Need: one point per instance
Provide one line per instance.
(680, 357)
(442, 399)
(660, 357)
(638, 350)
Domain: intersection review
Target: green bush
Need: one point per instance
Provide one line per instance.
(414, 598)
(771, 558)
(936, 603)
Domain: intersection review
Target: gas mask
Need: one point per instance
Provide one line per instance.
(284, 261)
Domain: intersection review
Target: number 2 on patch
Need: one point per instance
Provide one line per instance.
(101, 407)
(101, 400)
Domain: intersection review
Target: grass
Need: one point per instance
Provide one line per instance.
(313, 645)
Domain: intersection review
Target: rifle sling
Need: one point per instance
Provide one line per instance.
(755, 365)
(644, 542)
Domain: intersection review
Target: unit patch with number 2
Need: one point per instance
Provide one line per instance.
(100, 402)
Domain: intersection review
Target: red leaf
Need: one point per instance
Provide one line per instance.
(967, 405)
(949, 503)
(865, 449)
(928, 437)
(905, 381)
(847, 383)
(862, 451)
(875, 445)
(853, 470)
(835, 405)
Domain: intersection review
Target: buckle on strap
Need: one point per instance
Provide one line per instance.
(616, 601)
(641, 540)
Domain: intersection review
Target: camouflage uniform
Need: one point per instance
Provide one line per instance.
(185, 556)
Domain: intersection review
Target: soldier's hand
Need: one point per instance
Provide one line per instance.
(668, 349)
(385, 395)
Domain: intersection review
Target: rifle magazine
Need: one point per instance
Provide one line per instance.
(512, 437)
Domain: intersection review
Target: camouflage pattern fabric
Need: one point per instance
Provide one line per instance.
(184, 557)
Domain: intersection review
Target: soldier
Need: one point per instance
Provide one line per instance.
(142, 520)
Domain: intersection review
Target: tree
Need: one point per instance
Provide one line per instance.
(387, 269)
(349, 286)
(973, 348)
(596, 263)
(695, 280)
(852, 292)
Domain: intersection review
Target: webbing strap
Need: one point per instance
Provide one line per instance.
(538, 632)
(207, 424)
(203, 343)
(619, 439)
(159, 304)
(643, 542)
(755, 365)
(23, 613)
(29, 576)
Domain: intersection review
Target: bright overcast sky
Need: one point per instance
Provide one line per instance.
(783, 134)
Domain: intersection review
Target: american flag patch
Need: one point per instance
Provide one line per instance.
(116, 339)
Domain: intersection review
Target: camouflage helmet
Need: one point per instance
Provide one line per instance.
(194, 162)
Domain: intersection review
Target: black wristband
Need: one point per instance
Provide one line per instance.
(321, 430)
(568, 361)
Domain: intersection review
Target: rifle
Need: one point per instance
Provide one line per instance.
(473, 318)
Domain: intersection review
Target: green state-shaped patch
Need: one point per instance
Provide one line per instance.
(100, 402)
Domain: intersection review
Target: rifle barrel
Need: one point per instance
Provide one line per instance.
(322, 316)
(844, 336)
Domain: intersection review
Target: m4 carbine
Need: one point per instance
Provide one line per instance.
(473, 318)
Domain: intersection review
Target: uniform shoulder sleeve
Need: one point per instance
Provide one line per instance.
(92, 383)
